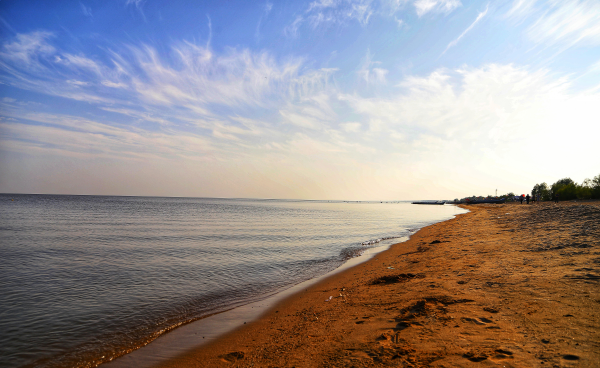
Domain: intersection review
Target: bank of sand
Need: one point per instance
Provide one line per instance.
(509, 285)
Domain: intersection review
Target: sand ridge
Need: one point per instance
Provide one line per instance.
(504, 285)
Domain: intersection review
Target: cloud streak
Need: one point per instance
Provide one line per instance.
(567, 24)
(455, 41)
(266, 10)
(436, 6)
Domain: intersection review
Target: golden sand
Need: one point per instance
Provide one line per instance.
(504, 285)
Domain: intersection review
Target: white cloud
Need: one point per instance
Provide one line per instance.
(437, 6)
(312, 112)
(370, 74)
(567, 23)
(292, 29)
(324, 13)
(339, 11)
(140, 115)
(379, 74)
(323, 4)
(454, 42)
(113, 84)
(79, 62)
(86, 10)
(77, 83)
(491, 112)
(79, 137)
(28, 48)
(234, 79)
(351, 127)
(267, 9)
(196, 80)
(137, 3)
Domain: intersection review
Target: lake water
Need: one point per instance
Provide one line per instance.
(85, 279)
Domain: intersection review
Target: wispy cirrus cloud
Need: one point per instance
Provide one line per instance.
(327, 11)
(370, 73)
(291, 30)
(562, 23)
(86, 10)
(28, 48)
(341, 12)
(455, 41)
(477, 106)
(137, 3)
(184, 96)
(435, 6)
(239, 77)
(267, 7)
(195, 79)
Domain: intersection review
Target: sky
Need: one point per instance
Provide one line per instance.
(318, 99)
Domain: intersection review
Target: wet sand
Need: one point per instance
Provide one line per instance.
(509, 285)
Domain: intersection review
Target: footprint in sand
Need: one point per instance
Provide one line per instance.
(232, 357)
(502, 354)
(477, 321)
(475, 357)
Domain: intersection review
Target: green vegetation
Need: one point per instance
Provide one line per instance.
(543, 191)
(508, 196)
(567, 189)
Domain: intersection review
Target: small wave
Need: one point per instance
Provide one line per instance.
(371, 242)
(351, 252)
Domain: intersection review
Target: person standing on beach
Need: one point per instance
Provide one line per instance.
(539, 198)
(556, 198)
(521, 198)
(527, 198)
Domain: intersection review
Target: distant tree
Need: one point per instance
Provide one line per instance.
(561, 183)
(567, 192)
(596, 187)
(584, 190)
(543, 190)
(535, 190)
(565, 189)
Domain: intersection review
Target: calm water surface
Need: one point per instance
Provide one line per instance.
(84, 279)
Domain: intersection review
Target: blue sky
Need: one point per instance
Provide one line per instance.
(326, 99)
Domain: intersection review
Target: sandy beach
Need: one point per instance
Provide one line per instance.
(508, 285)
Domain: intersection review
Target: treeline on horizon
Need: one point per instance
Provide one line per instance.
(566, 189)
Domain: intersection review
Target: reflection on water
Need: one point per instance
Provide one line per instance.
(85, 278)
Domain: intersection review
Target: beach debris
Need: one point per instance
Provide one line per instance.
(390, 268)
(330, 297)
(435, 242)
(371, 242)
